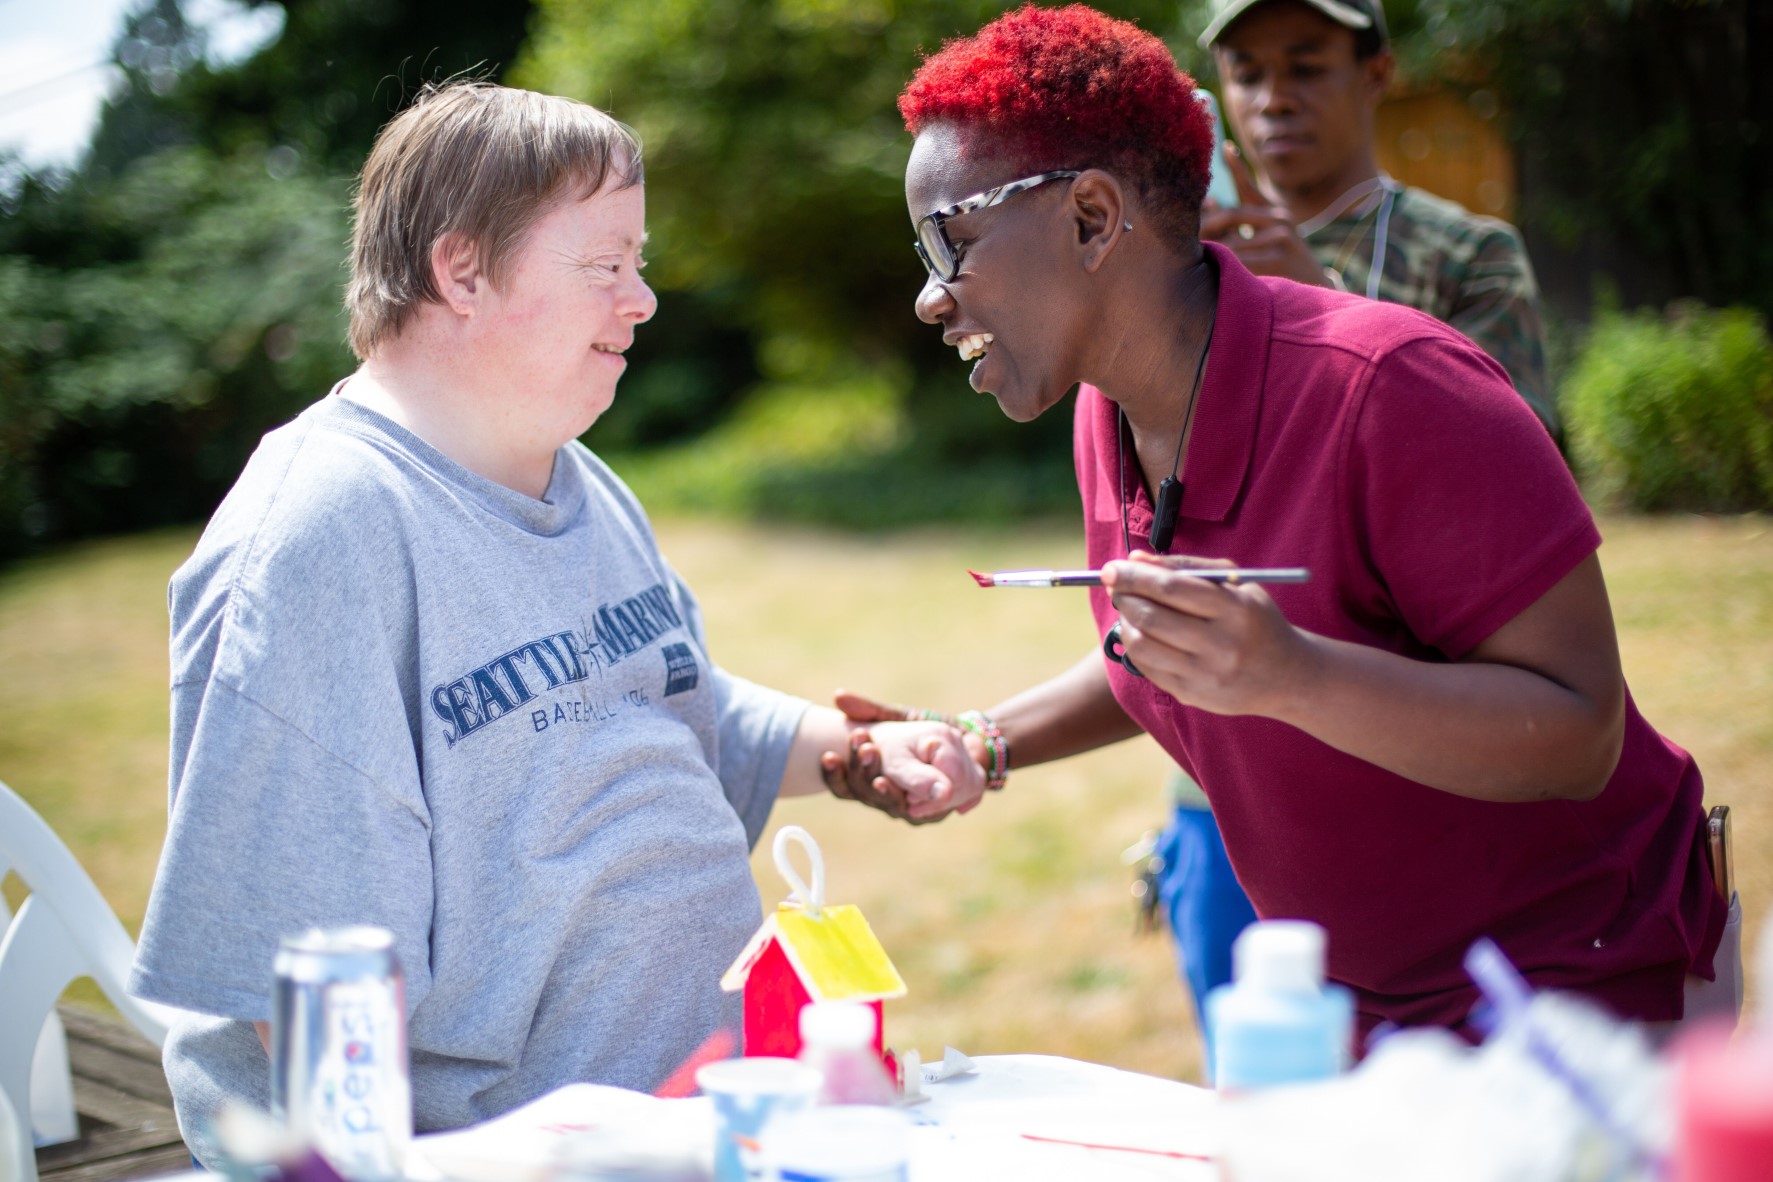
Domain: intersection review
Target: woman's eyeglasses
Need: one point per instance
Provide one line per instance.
(932, 242)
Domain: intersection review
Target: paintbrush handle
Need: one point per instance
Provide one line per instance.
(1093, 578)
(1260, 574)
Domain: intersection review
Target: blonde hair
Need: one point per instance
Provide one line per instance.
(474, 159)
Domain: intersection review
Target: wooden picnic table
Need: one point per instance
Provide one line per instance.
(127, 1127)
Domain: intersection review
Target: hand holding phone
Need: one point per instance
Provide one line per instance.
(1221, 189)
(1263, 236)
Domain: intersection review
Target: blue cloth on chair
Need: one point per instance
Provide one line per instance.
(1206, 907)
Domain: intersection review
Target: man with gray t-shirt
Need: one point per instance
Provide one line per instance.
(431, 672)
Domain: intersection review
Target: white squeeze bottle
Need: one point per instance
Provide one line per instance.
(1277, 1022)
(837, 1037)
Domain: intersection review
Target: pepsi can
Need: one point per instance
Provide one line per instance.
(339, 1070)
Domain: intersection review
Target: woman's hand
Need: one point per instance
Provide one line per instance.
(1533, 712)
(851, 773)
(1064, 715)
(1221, 647)
(942, 775)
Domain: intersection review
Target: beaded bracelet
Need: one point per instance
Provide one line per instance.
(997, 748)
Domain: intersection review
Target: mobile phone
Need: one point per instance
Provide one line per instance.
(1717, 841)
(1220, 187)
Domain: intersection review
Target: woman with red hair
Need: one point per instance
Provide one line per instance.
(1428, 742)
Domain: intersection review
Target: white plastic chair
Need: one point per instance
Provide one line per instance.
(16, 1159)
(64, 930)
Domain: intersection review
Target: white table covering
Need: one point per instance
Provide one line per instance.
(972, 1126)
(976, 1124)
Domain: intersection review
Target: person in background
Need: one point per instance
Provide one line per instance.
(1301, 82)
(431, 672)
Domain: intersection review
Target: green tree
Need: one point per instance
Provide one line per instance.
(341, 68)
(178, 293)
(335, 72)
(135, 386)
(156, 49)
(775, 168)
(1642, 129)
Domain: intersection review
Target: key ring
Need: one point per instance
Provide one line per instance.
(1115, 651)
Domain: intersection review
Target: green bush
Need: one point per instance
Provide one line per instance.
(844, 453)
(1675, 411)
(133, 386)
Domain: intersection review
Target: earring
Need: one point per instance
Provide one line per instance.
(1127, 226)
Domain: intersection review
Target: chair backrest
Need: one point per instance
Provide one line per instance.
(52, 1119)
(17, 1161)
(58, 882)
(63, 931)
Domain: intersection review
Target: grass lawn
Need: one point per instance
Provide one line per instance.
(1013, 926)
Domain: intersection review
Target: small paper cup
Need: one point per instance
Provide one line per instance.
(841, 1143)
(747, 1095)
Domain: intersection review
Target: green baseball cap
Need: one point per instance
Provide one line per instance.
(1353, 14)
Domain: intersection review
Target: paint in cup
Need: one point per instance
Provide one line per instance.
(839, 1143)
(747, 1095)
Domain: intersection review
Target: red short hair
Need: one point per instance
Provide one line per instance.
(1072, 88)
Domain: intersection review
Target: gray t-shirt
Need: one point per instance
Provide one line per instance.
(405, 695)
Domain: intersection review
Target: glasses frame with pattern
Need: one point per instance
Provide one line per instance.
(932, 244)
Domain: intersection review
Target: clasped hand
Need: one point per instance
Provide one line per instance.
(918, 771)
(1225, 648)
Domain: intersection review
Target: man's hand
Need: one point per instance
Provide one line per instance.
(1223, 648)
(857, 708)
(918, 771)
(1262, 235)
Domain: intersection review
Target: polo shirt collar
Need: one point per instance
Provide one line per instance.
(1224, 436)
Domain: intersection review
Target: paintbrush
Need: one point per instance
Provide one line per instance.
(1093, 578)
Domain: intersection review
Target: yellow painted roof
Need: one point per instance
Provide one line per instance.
(833, 950)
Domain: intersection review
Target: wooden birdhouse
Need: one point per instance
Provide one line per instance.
(808, 951)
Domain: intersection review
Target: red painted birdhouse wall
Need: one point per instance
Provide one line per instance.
(773, 1000)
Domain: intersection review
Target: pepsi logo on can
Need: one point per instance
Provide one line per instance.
(339, 1069)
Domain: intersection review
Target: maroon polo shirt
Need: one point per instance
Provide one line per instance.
(1391, 456)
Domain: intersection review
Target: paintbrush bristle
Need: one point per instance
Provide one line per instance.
(982, 580)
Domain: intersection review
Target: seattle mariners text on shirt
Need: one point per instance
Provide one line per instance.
(615, 632)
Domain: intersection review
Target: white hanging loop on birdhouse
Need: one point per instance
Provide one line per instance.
(812, 899)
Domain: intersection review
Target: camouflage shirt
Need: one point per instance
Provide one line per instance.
(1465, 270)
